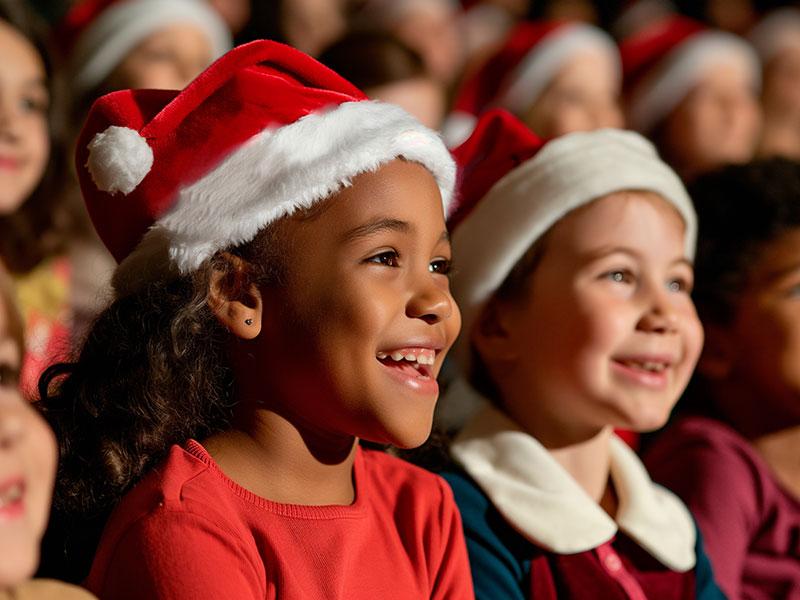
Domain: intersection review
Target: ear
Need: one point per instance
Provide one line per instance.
(717, 358)
(234, 299)
(492, 334)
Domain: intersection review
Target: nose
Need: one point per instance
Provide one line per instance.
(9, 129)
(12, 429)
(660, 315)
(431, 301)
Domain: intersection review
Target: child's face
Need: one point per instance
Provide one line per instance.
(763, 341)
(367, 282)
(167, 59)
(422, 97)
(24, 136)
(717, 123)
(27, 471)
(583, 96)
(780, 100)
(606, 333)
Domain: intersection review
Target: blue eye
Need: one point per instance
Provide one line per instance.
(441, 266)
(619, 276)
(679, 285)
(390, 258)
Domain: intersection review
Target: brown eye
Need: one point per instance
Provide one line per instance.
(9, 376)
(390, 258)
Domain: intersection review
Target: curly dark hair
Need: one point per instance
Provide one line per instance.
(741, 209)
(153, 372)
(48, 219)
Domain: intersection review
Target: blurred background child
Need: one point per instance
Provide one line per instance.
(693, 92)
(556, 77)
(777, 40)
(27, 471)
(574, 280)
(732, 456)
(44, 236)
(388, 70)
(150, 44)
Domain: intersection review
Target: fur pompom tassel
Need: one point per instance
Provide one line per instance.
(119, 159)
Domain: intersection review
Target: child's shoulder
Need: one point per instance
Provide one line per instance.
(393, 480)
(701, 439)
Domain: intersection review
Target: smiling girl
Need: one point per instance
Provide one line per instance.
(282, 293)
(27, 470)
(574, 279)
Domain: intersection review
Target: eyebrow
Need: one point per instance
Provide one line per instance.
(608, 250)
(384, 224)
(377, 226)
(782, 272)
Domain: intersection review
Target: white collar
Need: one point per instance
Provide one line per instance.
(539, 498)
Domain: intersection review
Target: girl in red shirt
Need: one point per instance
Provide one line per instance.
(282, 293)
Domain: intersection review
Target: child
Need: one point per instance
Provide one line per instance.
(693, 92)
(282, 292)
(732, 456)
(388, 70)
(27, 470)
(574, 279)
(119, 44)
(556, 77)
(41, 236)
(777, 40)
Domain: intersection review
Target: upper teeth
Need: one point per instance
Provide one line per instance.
(422, 357)
(11, 495)
(648, 365)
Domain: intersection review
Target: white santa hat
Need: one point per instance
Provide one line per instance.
(98, 34)
(513, 188)
(170, 178)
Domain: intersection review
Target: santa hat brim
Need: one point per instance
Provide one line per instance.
(275, 173)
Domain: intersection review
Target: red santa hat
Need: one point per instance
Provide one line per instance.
(665, 61)
(98, 34)
(519, 72)
(513, 188)
(170, 178)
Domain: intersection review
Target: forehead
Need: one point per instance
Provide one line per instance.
(19, 55)
(628, 218)
(400, 189)
(778, 257)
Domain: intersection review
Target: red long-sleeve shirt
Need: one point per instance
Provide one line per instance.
(187, 531)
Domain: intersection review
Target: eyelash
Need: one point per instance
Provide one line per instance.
(390, 258)
(677, 285)
(9, 377)
(619, 276)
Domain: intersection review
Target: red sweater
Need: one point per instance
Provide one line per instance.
(750, 523)
(188, 531)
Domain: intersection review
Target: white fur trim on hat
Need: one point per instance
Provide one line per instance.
(119, 159)
(281, 170)
(778, 31)
(566, 173)
(119, 28)
(683, 68)
(544, 60)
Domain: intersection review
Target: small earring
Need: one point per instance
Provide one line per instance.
(248, 321)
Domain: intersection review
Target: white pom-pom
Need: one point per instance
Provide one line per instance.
(119, 159)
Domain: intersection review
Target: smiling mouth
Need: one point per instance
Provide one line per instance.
(415, 362)
(649, 366)
(11, 498)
